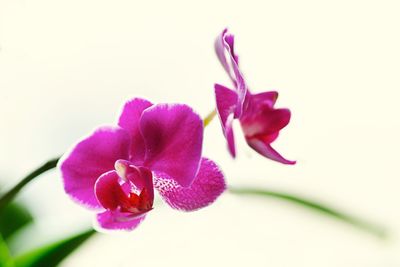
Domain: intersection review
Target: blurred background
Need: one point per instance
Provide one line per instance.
(68, 66)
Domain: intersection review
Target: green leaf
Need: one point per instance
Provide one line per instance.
(52, 254)
(12, 218)
(7, 197)
(5, 257)
(359, 223)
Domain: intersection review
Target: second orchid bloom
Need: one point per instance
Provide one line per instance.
(115, 169)
(260, 120)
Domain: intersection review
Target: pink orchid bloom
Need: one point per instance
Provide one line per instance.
(116, 169)
(259, 119)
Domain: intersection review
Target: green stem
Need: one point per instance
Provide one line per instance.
(9, 196)
(209, 117)
(361, 224)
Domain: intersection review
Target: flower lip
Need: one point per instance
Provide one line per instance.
(128, 190)
(128, 216)
(139, 177)
(264, 121)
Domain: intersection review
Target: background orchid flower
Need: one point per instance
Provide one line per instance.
(259, 119)
(116, 169)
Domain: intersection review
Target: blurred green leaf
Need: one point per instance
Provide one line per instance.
(7, 197)
(13, 217)
(361, 224)
(52, 254)
(5, 258)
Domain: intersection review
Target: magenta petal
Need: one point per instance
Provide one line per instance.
(241, 88)
(220, 49)
(173, 136)
(242, 91)
(265, 149)
(115, 220)
(226, 104)
(225, 45)
(229, 40)
(129, 120)
(205, 189)
(89, 159)
(257, 101)
(230, 136)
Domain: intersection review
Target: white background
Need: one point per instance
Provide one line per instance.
(68, 66)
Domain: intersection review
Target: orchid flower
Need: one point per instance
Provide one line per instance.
(259, 119)
(115, 169)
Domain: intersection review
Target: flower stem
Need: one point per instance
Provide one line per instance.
(359, 223)
(9, 196)
(209, 117)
